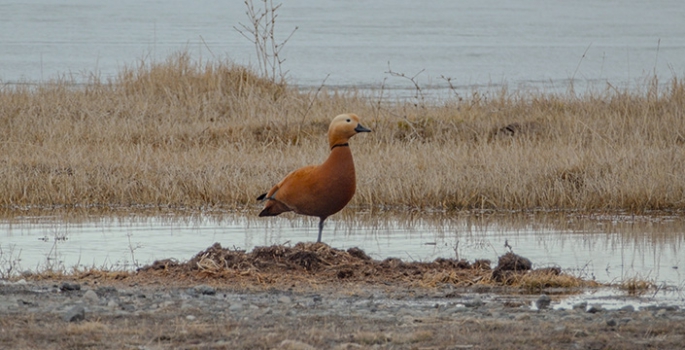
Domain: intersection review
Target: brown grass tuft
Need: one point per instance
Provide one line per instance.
(636, 285)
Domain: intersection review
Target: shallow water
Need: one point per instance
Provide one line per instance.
(522, 43)
(605, 248)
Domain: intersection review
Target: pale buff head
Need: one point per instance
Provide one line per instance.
(343, 127)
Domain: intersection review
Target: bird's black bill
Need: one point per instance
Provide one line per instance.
(261, 197)
(361, 128)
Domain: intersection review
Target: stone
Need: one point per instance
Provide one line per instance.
(628, 308)
(75, 314)
(595, 308)
(543, 302)
(476, 302)
(66, 286)
(204, 290)
(90, 297)
(107, 290)
(580, 306)
(128, 307)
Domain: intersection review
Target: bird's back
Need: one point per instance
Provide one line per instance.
(316, 190)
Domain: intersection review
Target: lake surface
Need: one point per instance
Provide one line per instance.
(523, 44)
(605, 248)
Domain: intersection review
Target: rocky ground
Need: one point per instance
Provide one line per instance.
(224, 299)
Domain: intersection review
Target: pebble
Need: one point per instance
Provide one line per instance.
(580, 306)
(627, 308)
(235, 307)
(475, 302)
(90, 297)
(75, 314)
(204, 290)
(66, 286)
(543, 302)
(107, 290)
(595, 308)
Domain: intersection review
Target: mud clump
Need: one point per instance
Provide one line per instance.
(509, 266)
(320, 263)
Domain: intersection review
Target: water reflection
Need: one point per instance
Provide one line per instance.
(607, 248)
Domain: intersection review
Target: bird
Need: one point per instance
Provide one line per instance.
(319, 190)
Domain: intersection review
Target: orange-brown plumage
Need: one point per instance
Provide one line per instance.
(320, 190)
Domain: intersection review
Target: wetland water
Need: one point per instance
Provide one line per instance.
(523, 44)
(606, 248)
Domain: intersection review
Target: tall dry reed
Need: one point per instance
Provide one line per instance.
(185, 134)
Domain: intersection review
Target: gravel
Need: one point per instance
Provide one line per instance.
(75, 303)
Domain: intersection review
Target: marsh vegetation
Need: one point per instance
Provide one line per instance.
(185, 134)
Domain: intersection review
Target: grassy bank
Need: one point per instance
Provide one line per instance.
(183, 134)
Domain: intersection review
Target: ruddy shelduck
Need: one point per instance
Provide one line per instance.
(319, 190)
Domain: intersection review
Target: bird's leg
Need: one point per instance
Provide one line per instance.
(320, 229)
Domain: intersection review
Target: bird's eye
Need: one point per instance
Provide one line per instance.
(348, 120)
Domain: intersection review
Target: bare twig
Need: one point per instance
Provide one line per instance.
(309, 106)
(133, 249)
(9, 263)
(261, 32)
(452, 88)
(418, 93)
(573, 77)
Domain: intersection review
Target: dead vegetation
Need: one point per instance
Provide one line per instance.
(319, 264)
(184, 134)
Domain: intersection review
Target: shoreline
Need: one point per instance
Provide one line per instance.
(312, 296)
(55, 314)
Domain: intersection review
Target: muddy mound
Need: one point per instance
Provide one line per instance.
(320, 263)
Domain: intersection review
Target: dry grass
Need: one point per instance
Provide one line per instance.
(637, 285)
(181, 134)
(317, 265)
